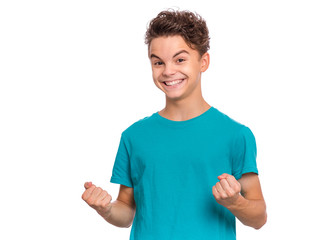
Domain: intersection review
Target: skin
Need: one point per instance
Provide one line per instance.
(172, 59)
(120, 213)
(242, 197)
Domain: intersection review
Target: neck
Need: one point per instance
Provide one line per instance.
(184, 109)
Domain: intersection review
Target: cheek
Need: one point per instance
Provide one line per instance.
(185, 70)
(191, 69)
(156, 73)
(192, 75)
(156, 77)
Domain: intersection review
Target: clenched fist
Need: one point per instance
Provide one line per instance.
(97, 198)
(227, 190)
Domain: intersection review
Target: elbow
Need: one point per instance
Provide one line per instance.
(130, 224)
(131, 219)
(262, 218)
(261, 223)
(127, 226)
(124, 225)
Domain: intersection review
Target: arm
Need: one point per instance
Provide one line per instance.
(243, 198)
(120, 212)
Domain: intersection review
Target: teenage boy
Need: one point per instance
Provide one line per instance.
(187, 171)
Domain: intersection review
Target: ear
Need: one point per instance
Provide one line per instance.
(205, 61)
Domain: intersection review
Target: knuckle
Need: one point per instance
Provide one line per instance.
(222, 195)
(108, 198)
(216, 196)
(214, 190)
(105, 203)
(90, 202)
(230, 194)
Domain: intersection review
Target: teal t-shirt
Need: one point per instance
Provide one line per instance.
(172, 167)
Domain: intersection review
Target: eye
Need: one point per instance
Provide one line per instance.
(180, 60)
(158, 63)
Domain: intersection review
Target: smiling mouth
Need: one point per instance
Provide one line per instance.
(174, 82)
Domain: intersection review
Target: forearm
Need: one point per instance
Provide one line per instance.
(250, 212)
(120, 214)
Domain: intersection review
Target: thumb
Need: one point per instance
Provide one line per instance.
(223, 176)
(88, 185)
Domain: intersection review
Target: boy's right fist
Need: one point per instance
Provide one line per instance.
(97, 198)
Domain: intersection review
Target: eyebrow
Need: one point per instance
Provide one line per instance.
(176, 54)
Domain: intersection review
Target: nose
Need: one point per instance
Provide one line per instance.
(169, 70)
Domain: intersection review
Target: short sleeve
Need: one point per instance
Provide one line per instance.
(121, 173)
(244, 153)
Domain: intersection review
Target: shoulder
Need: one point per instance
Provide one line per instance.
(228, 124)
(140, 126)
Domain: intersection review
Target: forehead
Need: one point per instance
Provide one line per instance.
(168, 46)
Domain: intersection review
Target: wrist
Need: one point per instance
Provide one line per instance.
(105, 212)
(238, 204)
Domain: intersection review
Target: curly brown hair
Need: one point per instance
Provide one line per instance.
(191, 26)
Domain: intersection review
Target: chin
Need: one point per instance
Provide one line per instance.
(175, 97)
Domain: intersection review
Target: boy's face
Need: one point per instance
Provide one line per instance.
(176, 67)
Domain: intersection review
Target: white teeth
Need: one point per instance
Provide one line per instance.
(173, 82)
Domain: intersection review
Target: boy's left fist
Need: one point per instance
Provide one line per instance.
(227, 190)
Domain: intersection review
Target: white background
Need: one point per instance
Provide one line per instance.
(75, 74)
